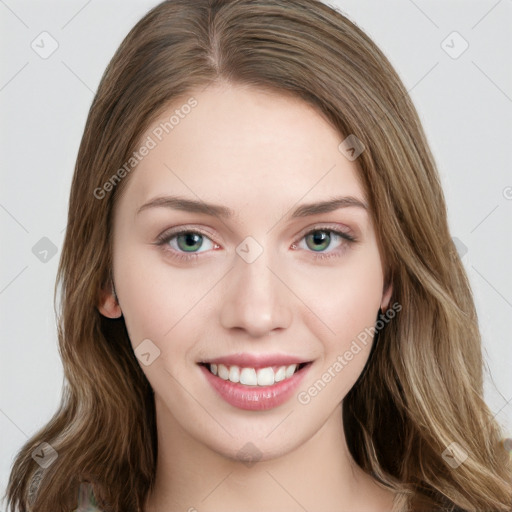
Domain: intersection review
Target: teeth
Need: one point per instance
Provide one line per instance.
(265, 377)
(280, 374)
(234, 374)
(223, 372)
(251, 376)
(248, 377)
(290, 370)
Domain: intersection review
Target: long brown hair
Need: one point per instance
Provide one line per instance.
(422, 388)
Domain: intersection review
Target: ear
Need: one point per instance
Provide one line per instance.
(108, 305)
(386, 295)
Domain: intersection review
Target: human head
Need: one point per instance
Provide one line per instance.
(301, 48)
(261, 290)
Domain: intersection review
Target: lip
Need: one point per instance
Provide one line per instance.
(255, 398)
(256, 361)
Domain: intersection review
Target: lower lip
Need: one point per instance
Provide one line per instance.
(255, 398)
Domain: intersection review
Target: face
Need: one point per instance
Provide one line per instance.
(223, 265)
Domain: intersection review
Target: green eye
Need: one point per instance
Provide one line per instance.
(318, 240)
(187, 245)
(189, 241)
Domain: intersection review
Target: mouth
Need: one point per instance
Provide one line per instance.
(255, 376)
(255, 382)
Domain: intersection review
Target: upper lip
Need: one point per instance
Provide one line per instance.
(256, 360)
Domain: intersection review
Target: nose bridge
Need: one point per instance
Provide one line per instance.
(255, 300)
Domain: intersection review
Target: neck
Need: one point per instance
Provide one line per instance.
(320, 474)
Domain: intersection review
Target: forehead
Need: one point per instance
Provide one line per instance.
(243, 146)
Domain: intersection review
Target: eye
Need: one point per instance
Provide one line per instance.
(189, 241)
(321, 238)
(185, 243)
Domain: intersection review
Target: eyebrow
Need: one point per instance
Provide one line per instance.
(219, 211)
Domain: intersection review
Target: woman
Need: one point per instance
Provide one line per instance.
(262, 307)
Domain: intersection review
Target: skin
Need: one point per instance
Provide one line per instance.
(262, 154)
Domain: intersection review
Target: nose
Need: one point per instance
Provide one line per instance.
(255, 299)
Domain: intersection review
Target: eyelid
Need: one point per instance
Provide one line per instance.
(164, 238)
(327, 227)
(314, 227)
(168, 234)
(178, 230)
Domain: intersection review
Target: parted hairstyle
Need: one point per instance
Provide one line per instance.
(422, 387)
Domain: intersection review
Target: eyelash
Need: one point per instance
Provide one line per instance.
(166, 237)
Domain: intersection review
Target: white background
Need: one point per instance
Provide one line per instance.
(465, 104)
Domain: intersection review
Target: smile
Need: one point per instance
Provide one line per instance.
(252, 384)
(268, 376)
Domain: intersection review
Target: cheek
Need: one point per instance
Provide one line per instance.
(156, 307)
(162, 304)
(349, 306)
(155, 298)
(150, 301)
(349, 301)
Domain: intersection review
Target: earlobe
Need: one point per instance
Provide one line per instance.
(108, 305)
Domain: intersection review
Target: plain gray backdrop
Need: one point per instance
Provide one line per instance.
(454, 58)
